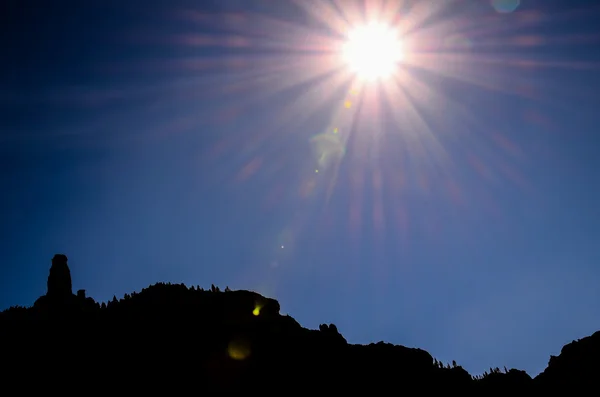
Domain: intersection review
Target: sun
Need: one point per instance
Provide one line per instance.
(373, 51)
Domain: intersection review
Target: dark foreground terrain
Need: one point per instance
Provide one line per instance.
(171, 338)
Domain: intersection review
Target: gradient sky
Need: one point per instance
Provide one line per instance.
(456, 207)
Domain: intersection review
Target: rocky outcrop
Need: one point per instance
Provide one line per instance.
(59, 280)
(60, 289)
(577, 362)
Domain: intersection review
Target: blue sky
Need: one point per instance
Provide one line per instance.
(454, 207)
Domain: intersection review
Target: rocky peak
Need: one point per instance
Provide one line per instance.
(59, 280)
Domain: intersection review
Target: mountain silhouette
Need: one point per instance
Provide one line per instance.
(179, 339)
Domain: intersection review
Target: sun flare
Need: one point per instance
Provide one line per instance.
(373, 51)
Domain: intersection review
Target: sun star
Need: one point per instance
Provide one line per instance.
(373, 51)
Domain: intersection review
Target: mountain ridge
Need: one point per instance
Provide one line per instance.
(235, 337)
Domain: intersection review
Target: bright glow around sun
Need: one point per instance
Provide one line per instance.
(373, 51)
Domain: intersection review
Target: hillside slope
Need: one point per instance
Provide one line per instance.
(175, 338)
